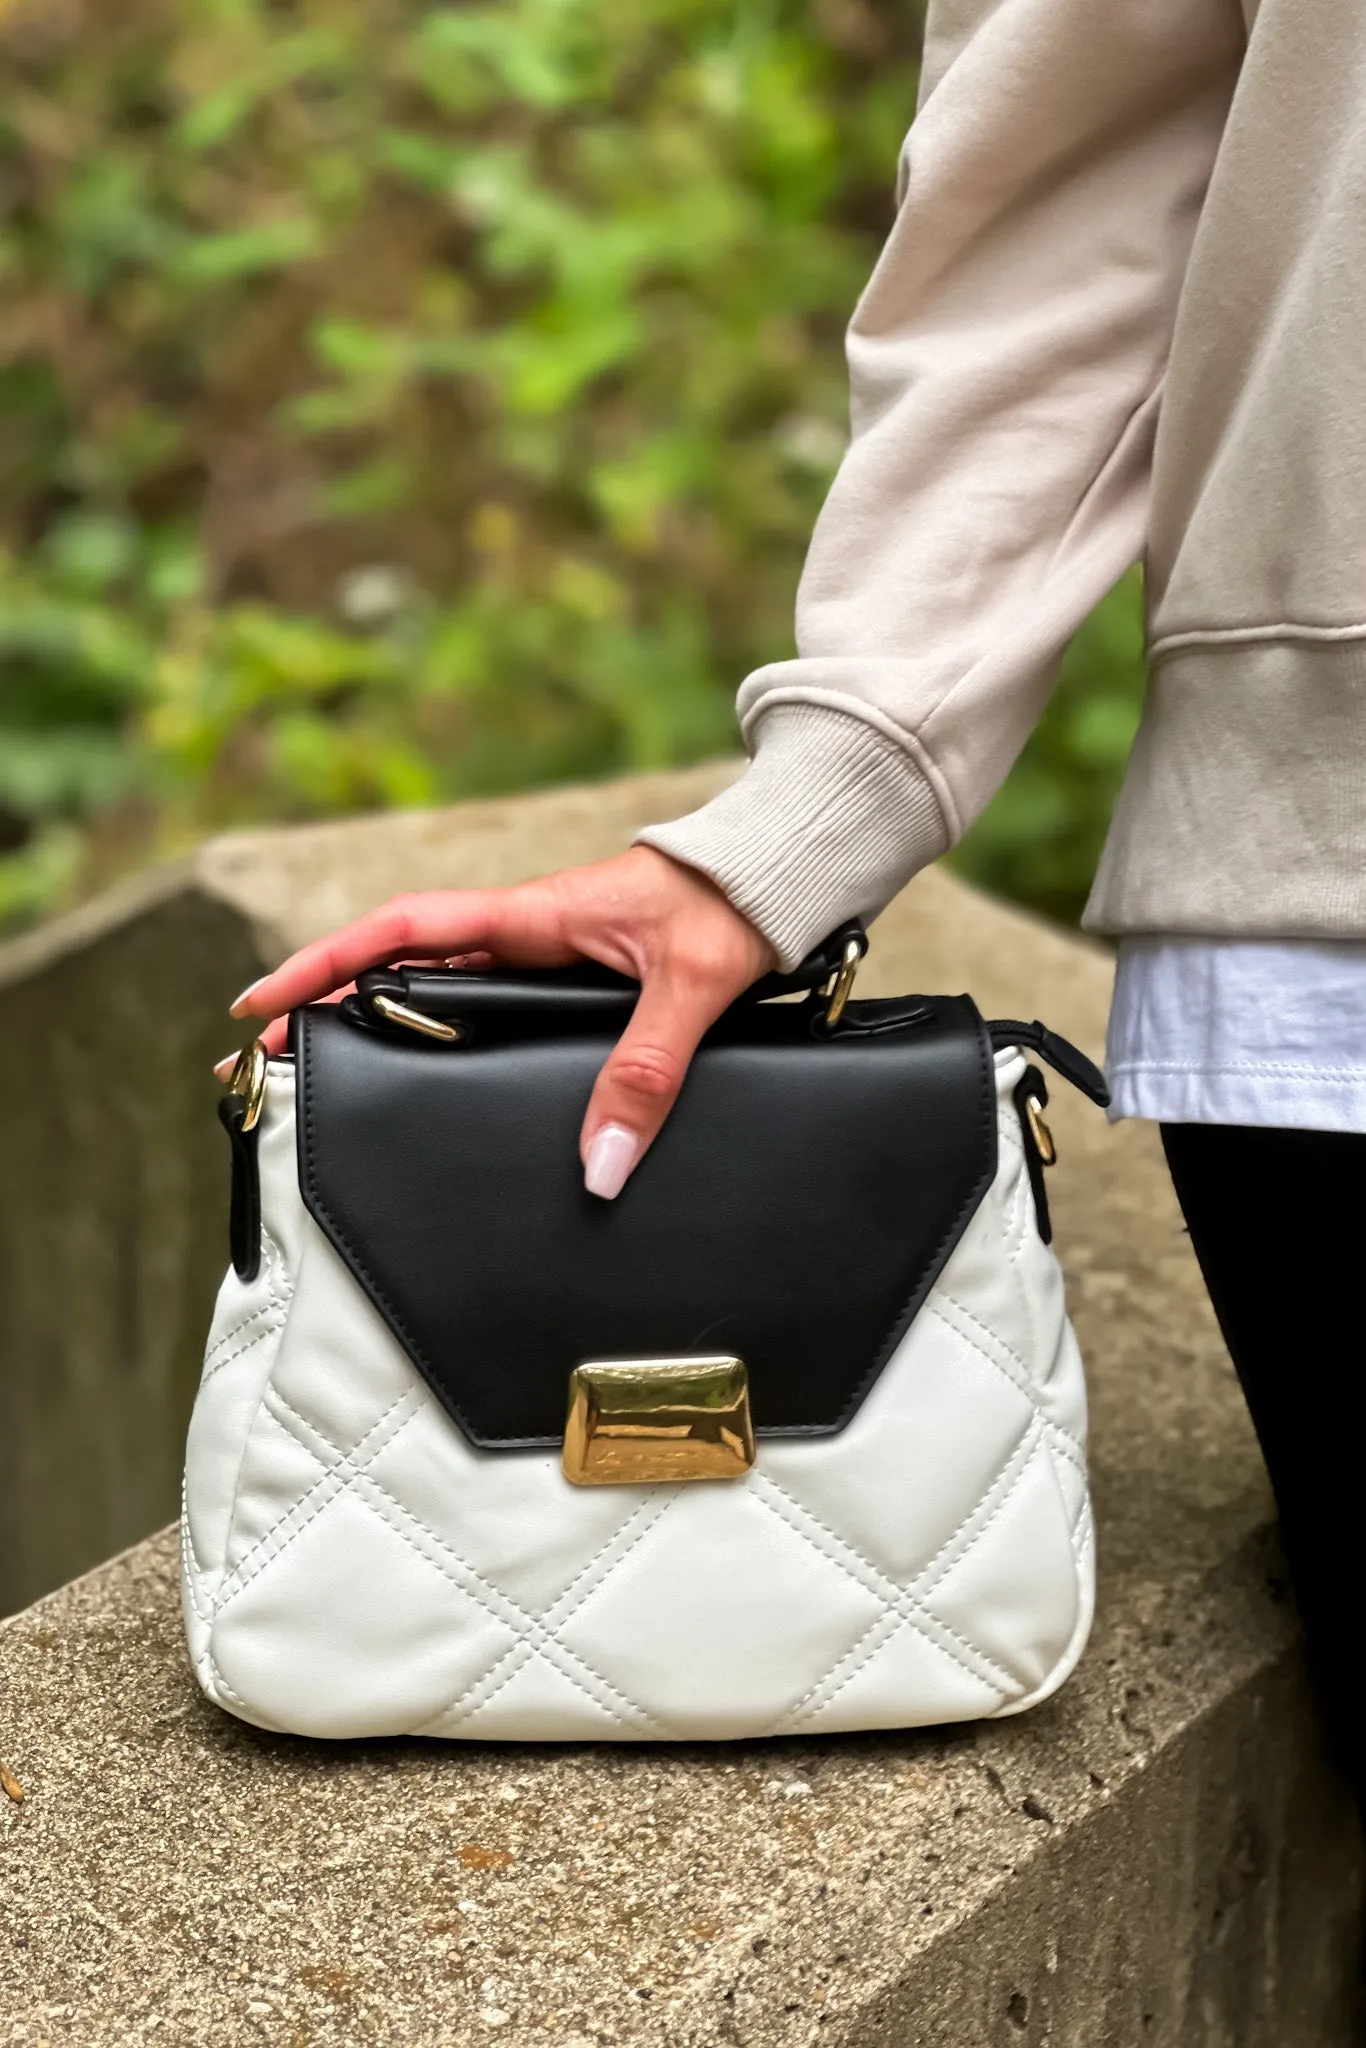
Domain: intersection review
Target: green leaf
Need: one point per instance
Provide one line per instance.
(247, 252)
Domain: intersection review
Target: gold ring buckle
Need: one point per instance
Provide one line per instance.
(248, 1079)
(1039, 1131)
(842, 984)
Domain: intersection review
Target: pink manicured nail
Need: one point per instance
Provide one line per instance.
(611, 1156)
(225, 1067)
(237, 1008)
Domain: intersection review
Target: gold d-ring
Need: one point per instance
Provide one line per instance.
(842, 987)
(248, 1079)
(1039, 1131)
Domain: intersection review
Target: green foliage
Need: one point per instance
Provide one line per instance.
(400, 401)
(1040, 839)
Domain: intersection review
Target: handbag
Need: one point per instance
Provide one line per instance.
(788, 1439)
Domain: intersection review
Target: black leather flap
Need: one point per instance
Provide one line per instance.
(795, 1211)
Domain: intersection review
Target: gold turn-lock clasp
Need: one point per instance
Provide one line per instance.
(642, 1422)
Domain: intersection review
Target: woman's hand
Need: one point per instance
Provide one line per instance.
(641, 913)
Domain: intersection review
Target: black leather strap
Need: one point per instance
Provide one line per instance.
(1033, 1088)
(244, 1224)
(1060, 1053)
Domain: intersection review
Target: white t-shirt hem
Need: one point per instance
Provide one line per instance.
(1269, 1033)
(1259, 1096)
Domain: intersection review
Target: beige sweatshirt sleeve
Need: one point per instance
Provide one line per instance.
(1006, 365)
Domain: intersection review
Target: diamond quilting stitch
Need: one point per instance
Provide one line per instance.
(531, 1629)
(720, 1621)
(908, 1603)
(945, 1308)
(274, 1310)
(252, 1562)
(532, 1633)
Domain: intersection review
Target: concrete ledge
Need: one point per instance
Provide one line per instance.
(1159, 1858)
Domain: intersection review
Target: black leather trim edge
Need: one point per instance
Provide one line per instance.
(244, 1217)
(929, 1273)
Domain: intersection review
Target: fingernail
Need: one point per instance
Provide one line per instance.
(611, 1156)
(224, 1068)
(237, 1008)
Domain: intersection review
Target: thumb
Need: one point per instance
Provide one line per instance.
(640, 1082)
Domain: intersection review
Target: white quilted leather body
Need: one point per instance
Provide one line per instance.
(353, 1567)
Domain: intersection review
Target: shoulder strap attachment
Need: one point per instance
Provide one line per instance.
(1060, 1053)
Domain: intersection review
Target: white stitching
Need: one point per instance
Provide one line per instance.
(1065, 1441)
(1004, 1485)
(360, 1479)
(192, 1571)
(863, 1653)
(226, 1691)
(240, 1577)
(272, 1305)
(925, 1582)
(262, 1310)
(367, 1480)
(270, 1330)
(608, 1558)
(927, 1577)
(287, 1297)
(366, 1483)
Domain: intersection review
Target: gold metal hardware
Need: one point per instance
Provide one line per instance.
(1039, 1131)
(842, 985)
(649, 1421)
(430, 1027)
(248, 1079)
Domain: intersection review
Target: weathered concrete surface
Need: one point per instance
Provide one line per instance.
(1157, 1859)
(113, 1191)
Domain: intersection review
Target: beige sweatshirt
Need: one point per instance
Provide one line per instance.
(1122, 313)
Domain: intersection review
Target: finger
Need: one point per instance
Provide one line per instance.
(274, 1036)
(518, 924)
(641, 1080)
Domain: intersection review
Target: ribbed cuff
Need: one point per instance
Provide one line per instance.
(830, 819)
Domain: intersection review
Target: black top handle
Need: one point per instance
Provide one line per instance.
(430, 1000)
(441, 1002)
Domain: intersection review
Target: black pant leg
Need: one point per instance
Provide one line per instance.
(1276, 1221)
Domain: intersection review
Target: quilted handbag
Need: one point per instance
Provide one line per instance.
(789, 1438)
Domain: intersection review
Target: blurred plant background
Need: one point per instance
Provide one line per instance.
(402, 401)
